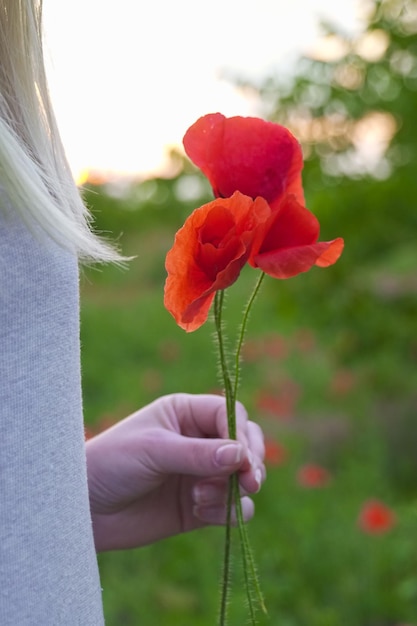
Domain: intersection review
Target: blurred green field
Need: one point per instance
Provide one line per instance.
(318, 402)
(329, 368)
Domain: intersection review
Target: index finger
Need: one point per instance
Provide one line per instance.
(204, 415)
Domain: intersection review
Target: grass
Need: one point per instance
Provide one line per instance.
(317, 567)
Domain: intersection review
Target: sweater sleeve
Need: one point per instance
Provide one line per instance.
(48, 565)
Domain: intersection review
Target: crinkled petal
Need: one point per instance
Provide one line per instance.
(251, 155)
(204, 259)
(290, 225)
(330, 255)
(288, 262)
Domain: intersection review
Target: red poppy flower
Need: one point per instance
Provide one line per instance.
(255, 171)
(280, 403)
(290, 244)
(247, 154)
(208, 254)
(275, 453)
(343, 382)
(313, 476)
(376, 518)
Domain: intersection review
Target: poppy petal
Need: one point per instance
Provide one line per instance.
(288, 262)
(291, 224)
(208, 254)
(331, 254)
(289, 246)
(251, 155)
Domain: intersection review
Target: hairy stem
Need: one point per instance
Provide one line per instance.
(243, 332)
(230, 388)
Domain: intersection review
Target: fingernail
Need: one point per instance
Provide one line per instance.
(230, 454)
(210, 514)
(205, 494)
(258, 478)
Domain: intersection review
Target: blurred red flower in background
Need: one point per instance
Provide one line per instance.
(275, 453)
(272, 345)
(313, 476)
(343, 382)
(376, 518)
(305, 340)
(279, 402)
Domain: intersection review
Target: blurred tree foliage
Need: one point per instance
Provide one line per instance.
(122, 208)
(353, 106)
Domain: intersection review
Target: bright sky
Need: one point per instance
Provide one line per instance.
(128, 77)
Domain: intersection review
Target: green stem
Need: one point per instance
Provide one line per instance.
(248, 560)
(243, 331)
(249, 570)
(218, 311)
(227, 560)
(228, 387)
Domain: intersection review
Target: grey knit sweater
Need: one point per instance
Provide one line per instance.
(48, 567)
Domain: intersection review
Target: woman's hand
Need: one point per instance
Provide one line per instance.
(164, 470)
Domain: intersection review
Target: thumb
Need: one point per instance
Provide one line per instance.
(176, 454)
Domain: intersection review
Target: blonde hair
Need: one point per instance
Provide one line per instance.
(34, 172)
